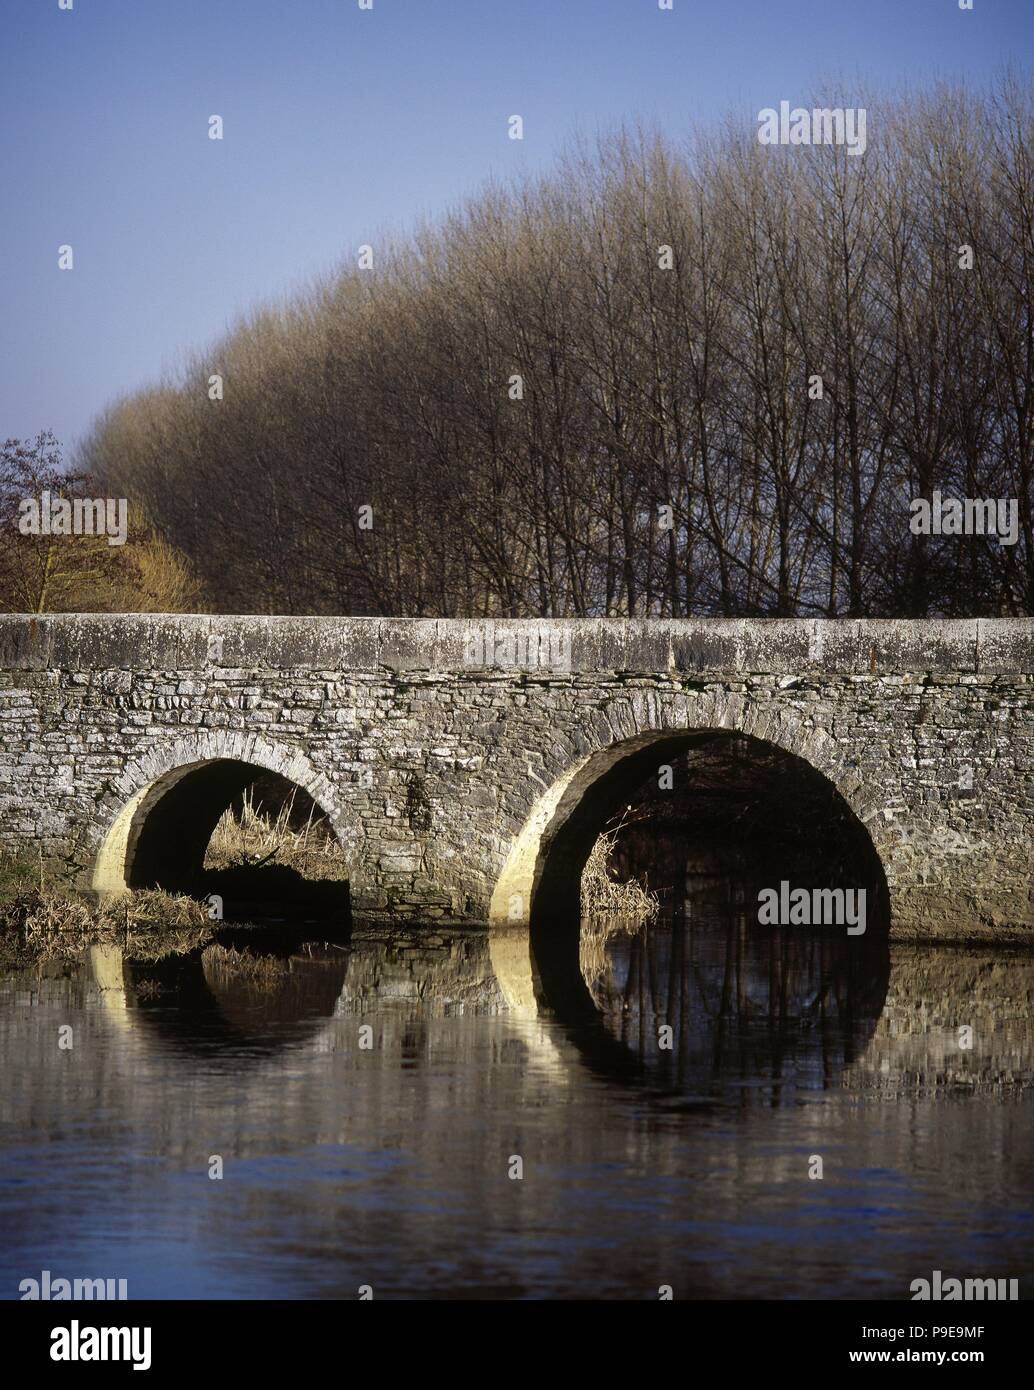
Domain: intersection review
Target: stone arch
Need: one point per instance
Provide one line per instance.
(145, 783)
(644, 720)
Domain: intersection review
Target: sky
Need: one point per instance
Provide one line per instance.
(341, 123)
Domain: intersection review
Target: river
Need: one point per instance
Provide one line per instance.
(369, 1099)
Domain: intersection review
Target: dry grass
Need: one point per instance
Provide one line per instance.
(603, 895)
(256, 836)
(609, 908)
(42, 924)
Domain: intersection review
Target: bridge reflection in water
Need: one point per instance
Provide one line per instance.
(382, 1157)
(746, 1010)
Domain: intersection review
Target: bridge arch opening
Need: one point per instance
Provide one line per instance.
(693, 809)
(230, 827)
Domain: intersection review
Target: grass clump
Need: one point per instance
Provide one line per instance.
(44, 923)
(605, 896)
(249, 836)
(609, 907)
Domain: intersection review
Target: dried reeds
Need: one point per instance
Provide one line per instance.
(253, 836)
(609, 907)
(43, 923)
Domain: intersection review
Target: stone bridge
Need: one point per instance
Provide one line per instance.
(461, 763)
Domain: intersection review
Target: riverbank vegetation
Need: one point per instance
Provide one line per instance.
(42, 921)
(269, 854)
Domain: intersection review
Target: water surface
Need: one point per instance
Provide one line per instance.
(643, 1165)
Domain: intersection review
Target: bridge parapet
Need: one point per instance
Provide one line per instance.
(777, 646)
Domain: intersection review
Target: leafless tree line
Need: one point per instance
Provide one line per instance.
(596, 393)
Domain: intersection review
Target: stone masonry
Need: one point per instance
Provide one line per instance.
(446, 753)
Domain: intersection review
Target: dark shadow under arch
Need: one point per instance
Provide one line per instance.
(174, 823)
(160, 840)
(610, 780)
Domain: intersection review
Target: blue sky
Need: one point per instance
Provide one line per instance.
(340, 123)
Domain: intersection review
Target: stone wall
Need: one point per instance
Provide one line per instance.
(445, 753)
